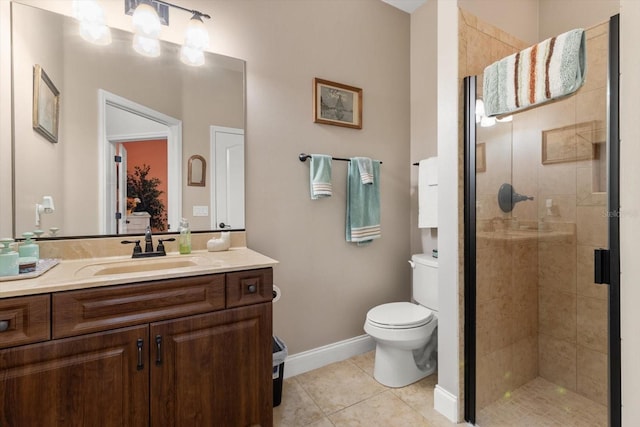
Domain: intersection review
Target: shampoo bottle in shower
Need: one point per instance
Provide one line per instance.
(184, 240)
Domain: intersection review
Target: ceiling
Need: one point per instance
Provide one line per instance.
(407, 5)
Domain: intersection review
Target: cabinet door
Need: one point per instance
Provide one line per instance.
(91, 380)
(213, 369)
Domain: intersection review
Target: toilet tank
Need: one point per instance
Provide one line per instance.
(425, 280)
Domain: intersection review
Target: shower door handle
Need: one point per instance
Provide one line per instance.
(601, 263)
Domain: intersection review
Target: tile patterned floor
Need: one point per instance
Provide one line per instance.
(345, 394)
(541, 403)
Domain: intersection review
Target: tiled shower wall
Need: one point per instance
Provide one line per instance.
(538, 310)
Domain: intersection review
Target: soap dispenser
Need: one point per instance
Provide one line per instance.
(184, 241)
(9, 265)
(29, 249)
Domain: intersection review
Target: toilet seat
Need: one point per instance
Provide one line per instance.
(399, 315)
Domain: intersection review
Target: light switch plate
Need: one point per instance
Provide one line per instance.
(201, 211)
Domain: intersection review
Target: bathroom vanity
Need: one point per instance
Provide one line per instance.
(175, 347)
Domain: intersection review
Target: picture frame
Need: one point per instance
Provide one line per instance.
(337, 104)
(197, 171)
(46, 105)
(570, 143)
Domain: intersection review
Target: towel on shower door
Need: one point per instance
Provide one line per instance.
(545, 71)
(320, 176)
(363, 205)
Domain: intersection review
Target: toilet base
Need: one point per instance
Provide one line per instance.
(395, 367)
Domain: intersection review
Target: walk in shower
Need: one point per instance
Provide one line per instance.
(537, 200)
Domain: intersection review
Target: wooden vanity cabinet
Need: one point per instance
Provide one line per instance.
(137, 365)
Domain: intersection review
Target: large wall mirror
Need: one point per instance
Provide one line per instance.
(127, 125)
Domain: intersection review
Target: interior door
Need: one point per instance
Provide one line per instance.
(227, 175)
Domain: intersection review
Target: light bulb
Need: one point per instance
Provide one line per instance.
(146, 46)
(486, 122)
(191, 56)
(145, 21)
(504, 119)
(93, 27)
(479, 107)
(196, 35)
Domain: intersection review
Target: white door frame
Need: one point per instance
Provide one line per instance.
(106, 152)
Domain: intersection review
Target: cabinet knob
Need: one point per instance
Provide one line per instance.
(253, 288)
(4, 325)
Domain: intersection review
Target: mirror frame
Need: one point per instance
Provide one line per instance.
(203, 175)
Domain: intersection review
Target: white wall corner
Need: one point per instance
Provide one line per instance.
(445, 403)
(315, 358)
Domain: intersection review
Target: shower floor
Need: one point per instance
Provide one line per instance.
(541, 403)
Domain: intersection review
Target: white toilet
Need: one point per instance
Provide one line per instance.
(406, 333)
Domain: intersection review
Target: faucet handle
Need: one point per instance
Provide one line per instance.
(161, 245)
(137, 249)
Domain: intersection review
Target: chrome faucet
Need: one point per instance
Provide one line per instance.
(148, 246)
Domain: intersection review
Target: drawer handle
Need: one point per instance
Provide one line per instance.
(139, 344)
(4, 325)
(158, 349)
(252, 288)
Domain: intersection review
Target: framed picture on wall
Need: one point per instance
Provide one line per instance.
(481, 157)
(337, 104)
(46, 105)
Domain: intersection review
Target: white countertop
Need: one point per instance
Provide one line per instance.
(94, 272)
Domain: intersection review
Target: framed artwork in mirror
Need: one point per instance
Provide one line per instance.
(481, 157)
(337, 104)
(46, 105)
(197, 171)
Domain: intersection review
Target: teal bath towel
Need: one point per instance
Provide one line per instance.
(320, 176)
(549, 70)
(363, 205)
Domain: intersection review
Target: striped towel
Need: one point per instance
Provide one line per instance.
(365, 166)
(548, 70)
(320, 176)
(363, 205)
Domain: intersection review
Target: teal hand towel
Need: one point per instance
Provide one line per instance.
(549, 70)
(365, 166)
(363, 205)
(320, 176)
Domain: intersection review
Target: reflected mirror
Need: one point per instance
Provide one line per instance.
(127, 126)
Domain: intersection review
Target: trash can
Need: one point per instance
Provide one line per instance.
(279, 354)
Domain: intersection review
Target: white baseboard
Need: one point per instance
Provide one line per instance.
(318, 357)
(445, 403)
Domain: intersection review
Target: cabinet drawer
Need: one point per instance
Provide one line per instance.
(91, 310)
(249, 287)
(24, 320)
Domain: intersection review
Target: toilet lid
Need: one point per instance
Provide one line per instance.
(399, 315)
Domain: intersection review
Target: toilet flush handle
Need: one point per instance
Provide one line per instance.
(412, 264)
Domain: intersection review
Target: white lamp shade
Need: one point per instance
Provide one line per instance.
(196, 35)
(146, 46)
(146, 21)
(191, 56)
(96, 34)
(486, 122)
(88, 11)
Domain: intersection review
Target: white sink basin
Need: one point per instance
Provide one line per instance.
(142, 265)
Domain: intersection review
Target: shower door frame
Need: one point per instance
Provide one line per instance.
(612, 254)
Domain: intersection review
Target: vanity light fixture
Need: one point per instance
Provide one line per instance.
(93, 27)
(146, 24)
